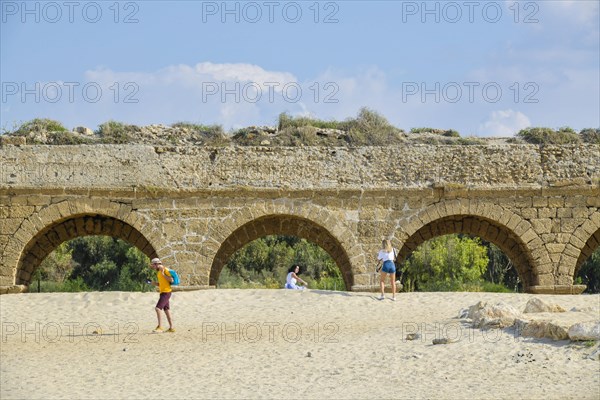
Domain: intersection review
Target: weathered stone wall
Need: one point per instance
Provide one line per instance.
(195, 206)
(411, 166)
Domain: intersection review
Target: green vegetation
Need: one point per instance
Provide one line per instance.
(39, 125)
(264, 263)
(549, 136)
(66, 138)
(589, 273)
(445, 263)
(286, 121)
(590, 135)
(371, 129)
(93, 263)
(47, 131)
(446, 133)
(368, 128)
(113, 132)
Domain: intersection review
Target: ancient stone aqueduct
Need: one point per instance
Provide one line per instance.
(195, 206)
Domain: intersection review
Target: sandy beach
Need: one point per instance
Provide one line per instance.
(275, 344)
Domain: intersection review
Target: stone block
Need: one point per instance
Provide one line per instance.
(574, 201)
(556, 202)
(362, 279)
(545, 279)
(21, 211)
(529, 213)
(595, 218)
(580, 212)
(513, 222)
(547, 213)
(543, 225)
(569, 225)
(570, 250)
(576, 242)
(555, 247)
(564, 212)
(589, 227)
(521, 228)
(538, 253)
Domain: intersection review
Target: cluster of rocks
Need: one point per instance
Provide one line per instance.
(538, 320)
(196, 135)
(161, 135)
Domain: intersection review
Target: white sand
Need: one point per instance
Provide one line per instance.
(255, 344)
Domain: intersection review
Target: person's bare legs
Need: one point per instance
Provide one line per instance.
(158, 310)
(382, 283)
(393, 282)
(168, 314)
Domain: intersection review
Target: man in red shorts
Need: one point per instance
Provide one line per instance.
(164, 280)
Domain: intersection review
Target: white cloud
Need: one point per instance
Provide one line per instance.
(229, 94)
(504, 123)
(176, 93)
(198, 75)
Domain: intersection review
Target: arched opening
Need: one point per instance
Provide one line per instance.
(458, 262)
(488, 230)
(49, 238)
(587, 270)
(285, 225)
(93, 263)
(265, 263)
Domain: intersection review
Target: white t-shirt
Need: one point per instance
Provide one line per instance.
(385, 256)
(290, 279)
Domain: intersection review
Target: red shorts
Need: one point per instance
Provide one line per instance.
(163, 301)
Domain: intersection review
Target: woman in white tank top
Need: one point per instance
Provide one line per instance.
(387, 256)
(292, 278)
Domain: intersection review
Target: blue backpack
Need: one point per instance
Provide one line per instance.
(175, 277)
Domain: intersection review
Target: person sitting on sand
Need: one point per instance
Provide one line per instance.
(387, 256)
(164, 280)
(292, 278)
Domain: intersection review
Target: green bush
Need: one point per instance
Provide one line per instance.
(69, 285)
(371, 129)
(590, 135)
(589, 273)
(328, 283)
(442, 132)
(549, 136)
(455, 286)
(287, 121)
(39, 125)
(67, 138)
(94, 263)
(469, 141)
(368, 129)
(494, 287)
(113, 132)
(264, 263)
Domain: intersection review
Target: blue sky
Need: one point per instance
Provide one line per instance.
(484, 68)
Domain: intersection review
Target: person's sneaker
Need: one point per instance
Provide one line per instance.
(393, 299)
(381, 297)
(171, 330)
(158, 329)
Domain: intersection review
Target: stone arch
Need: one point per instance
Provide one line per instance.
(585, 247)
(507, 230)
(289, 219)
(42, 232)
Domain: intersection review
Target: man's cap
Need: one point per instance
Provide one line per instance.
(156, 261)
